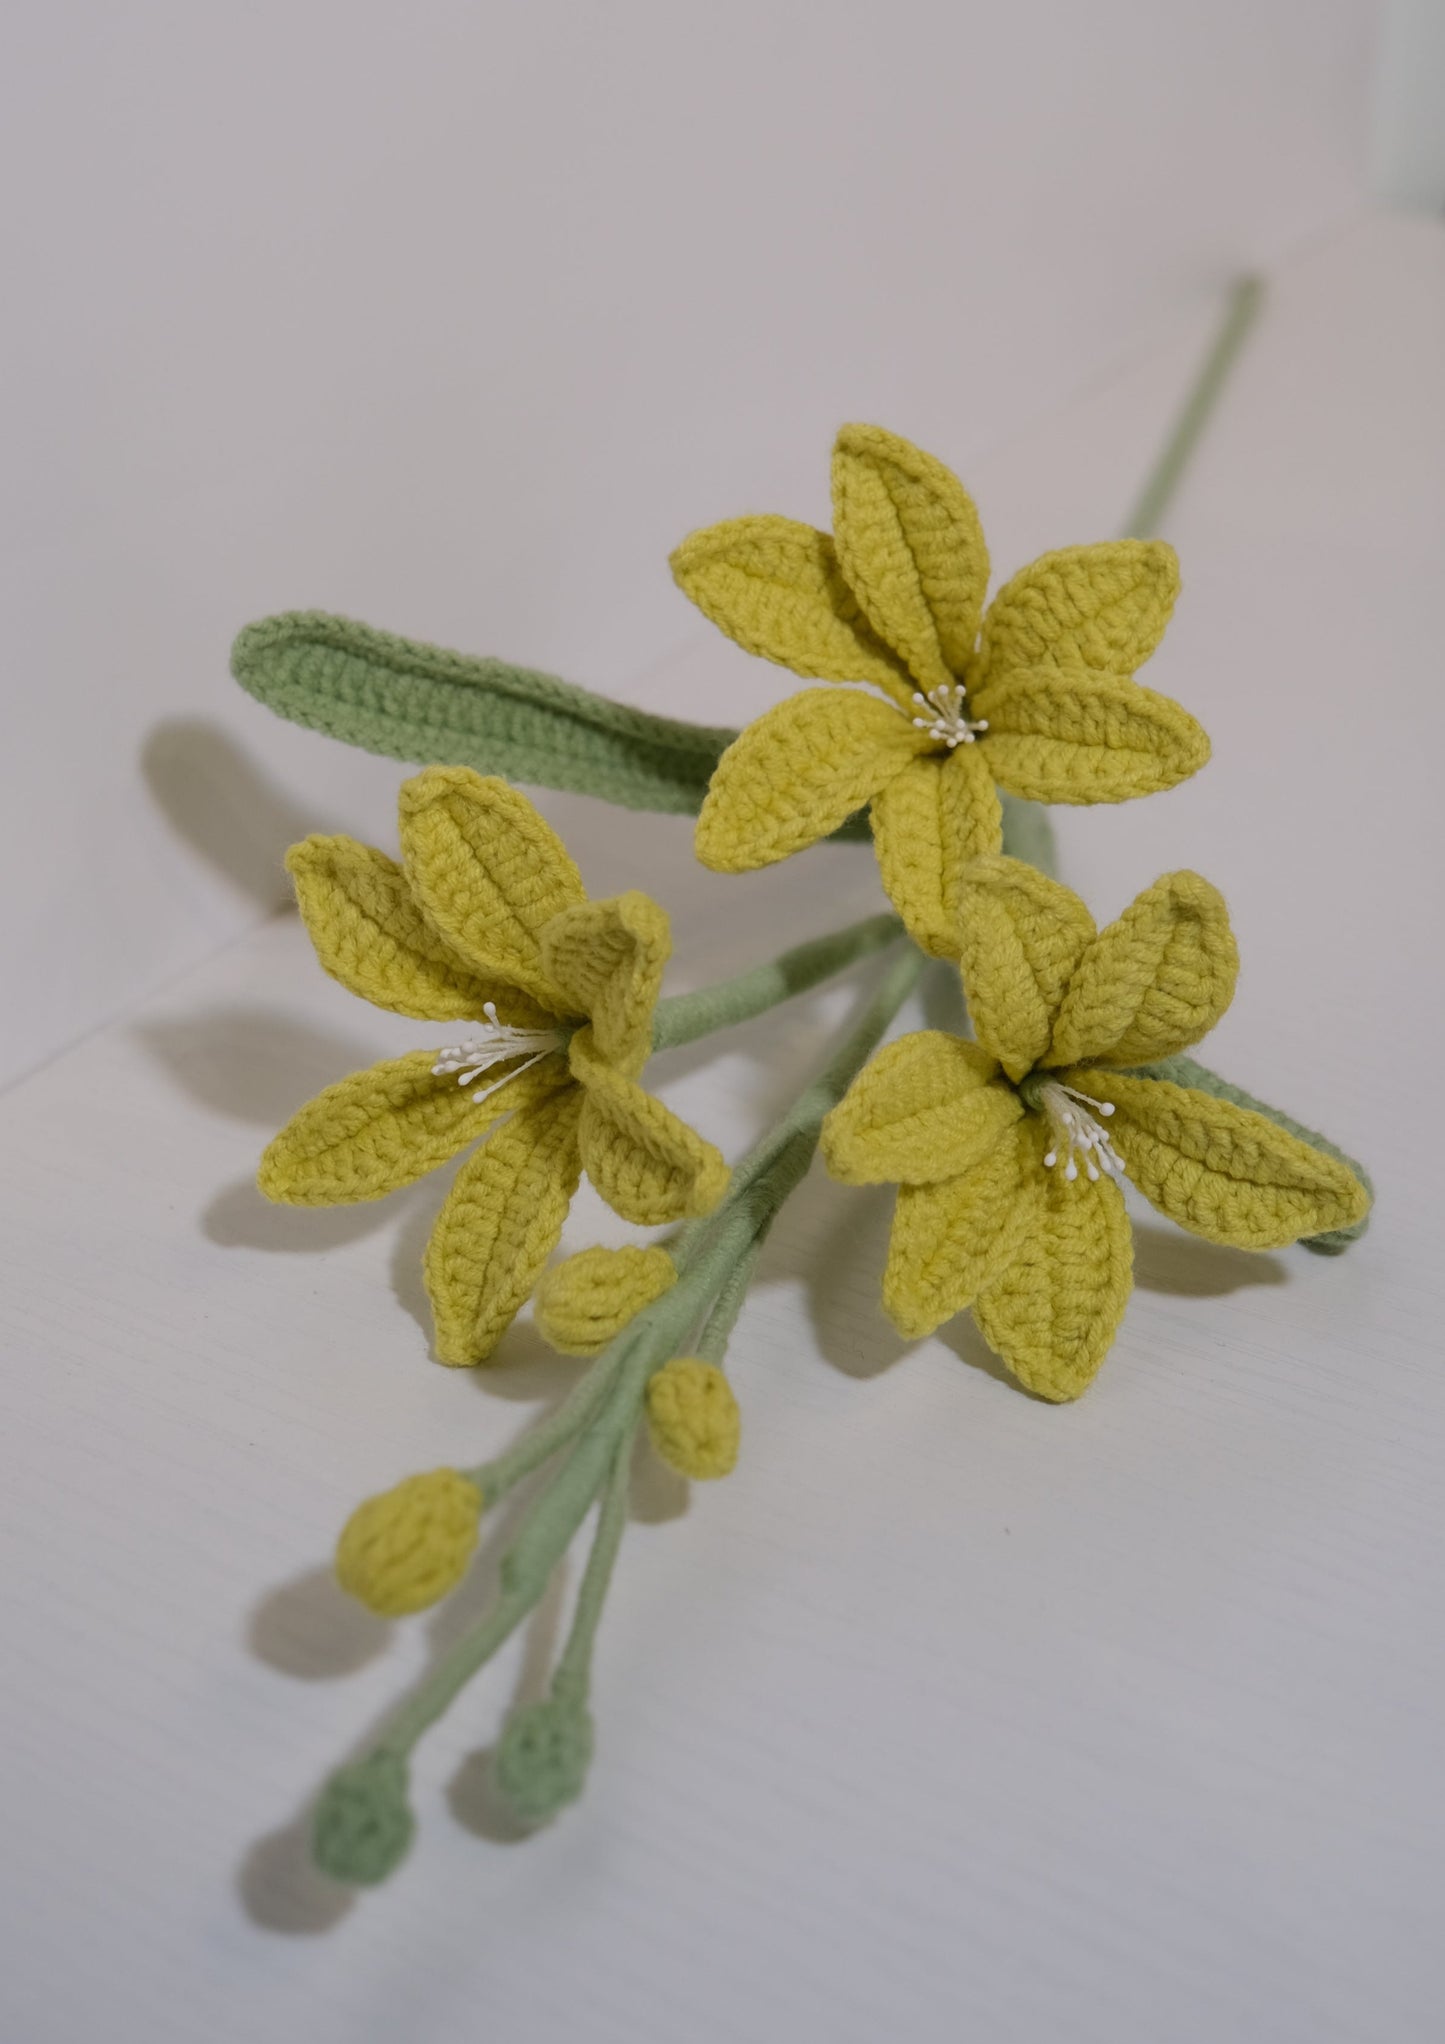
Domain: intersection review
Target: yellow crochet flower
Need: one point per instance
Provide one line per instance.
(486, 923)
(1007, 1151)
(1034, 697)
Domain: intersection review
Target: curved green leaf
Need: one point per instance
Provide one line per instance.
(418, 703)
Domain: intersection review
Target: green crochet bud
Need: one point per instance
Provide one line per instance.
(542, 1759)
(363, 1823)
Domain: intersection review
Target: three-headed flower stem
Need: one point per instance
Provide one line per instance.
(682, 1018)
(543, 1755)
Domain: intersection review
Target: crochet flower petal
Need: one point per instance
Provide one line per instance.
(797, 772)
(1021, 936)
(648, 1165)
(499, 1224)
(910, 543)
(924, 1108)
(1057, 735)
(385, 1127)
(1103, 607)
(930, 820)
(1055, 1310)
(775, 587)
(951, 1239)
(369, 933)
(607, 957)
(488, 872)
(1219, 1170)
(1152, 983)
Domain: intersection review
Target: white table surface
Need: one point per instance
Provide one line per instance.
(950, 1715)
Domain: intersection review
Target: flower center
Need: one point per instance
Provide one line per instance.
(944, 718)
(1074, 1132)
(495, 1043)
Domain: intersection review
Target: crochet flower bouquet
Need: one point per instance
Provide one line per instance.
(939, 725)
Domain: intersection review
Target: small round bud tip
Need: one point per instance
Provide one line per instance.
(693, 1419)
(363, 1823)
(542, 1758)
(407, 1548)
(584, 1302)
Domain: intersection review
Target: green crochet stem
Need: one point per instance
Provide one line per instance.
(1157, 494)
(1187, 1071)
(573, 1676)
(712, 1344)
(603, 1411)
(684, 1017)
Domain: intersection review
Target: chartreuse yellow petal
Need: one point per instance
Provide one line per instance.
(499, 1224)
(369, 933)
(797, 772)
(385, 1127)
(607, 957)
(775, 587)
(951, 1239)
(1021, 936)
(586, 1300)
(910, 543)
(923, 1108)
(1153, 982)
(1056, 735)
(488, 872)
(693, 1419)
(407, 1547)
(1103, 607)
(1219, 1170)
(1056, 1308)
(649, 1166)
(941, 811)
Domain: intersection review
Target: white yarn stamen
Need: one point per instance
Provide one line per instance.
(1074, 1129)
(946, 720)
(495, 1043)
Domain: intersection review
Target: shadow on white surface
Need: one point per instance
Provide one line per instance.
(1167, 1260)
(311, 1629)
(239, 1218)
(252, 1064)
(282, 1890)
(221, 802)
(307, 1628)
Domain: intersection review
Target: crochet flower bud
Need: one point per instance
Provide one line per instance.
(542, 1757)
(406, 1548)
(363, 1823)
(582, 1303)
(693, 1418)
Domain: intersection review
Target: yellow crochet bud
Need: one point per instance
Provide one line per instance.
(582, 1303)
(694, 1419)
(406, 1548)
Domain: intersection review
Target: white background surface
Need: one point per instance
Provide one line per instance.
(949, 1714)
(456, 316)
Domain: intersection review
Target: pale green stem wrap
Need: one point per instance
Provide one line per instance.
(603, 1411)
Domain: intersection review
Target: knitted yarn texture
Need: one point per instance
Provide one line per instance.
(1008, 1151)
(1034, 695)
(942, 723)
(423, 704)
(486, 923)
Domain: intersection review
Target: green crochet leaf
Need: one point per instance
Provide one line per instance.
(417, 703)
